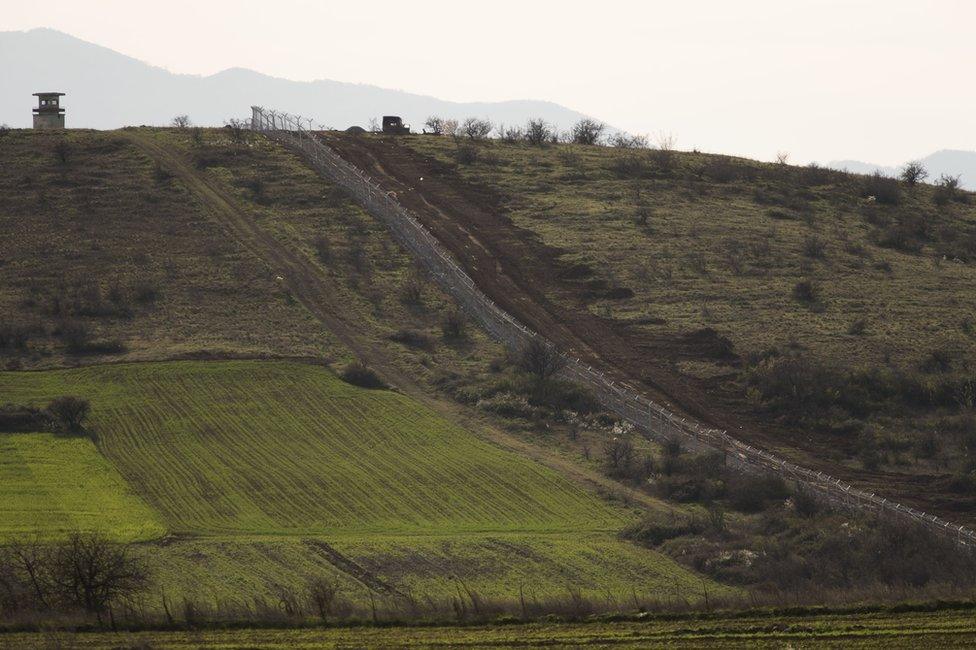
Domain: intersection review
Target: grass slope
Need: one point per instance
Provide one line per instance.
(51, 485)
(277, 447)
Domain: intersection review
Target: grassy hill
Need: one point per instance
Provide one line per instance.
(154, 244)
(825, 315)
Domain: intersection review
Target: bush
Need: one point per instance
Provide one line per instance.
(913, 173)
(412, 338)
(587, 131)
(753, 493)
(540, 359)
(630, 166)
(466, 154)
(648, 532)
(884, 189)
(454, 325)
(538, 132)
(359, 374)
(15, 418)
(806, 291)
(476, 129)
(814, 247)
(69, 413)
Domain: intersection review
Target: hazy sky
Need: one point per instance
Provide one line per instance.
(877, 80)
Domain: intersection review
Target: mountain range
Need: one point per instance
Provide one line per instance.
(106, 90)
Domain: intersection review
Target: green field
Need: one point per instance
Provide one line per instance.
(253, 464)
(52, 485)
(287, 448)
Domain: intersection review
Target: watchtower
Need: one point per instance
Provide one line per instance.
(49, 114)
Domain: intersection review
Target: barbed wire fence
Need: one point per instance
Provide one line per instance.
(649, 418)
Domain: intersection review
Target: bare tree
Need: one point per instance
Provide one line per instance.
(618, 457)
(540, 359)
(323, 592)
(374, 125)
(69, 412)
(181, 121)
(782, 157)
(434, 125)
(538, 132)
(93, 573)
(587, 131)
(914, 172)
(476, 129)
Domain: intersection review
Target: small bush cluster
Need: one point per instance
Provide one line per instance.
(359, 374)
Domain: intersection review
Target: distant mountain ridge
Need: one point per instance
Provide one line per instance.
(948, 161)
(106, 90)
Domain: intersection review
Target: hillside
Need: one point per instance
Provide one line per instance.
(108, 90)
(242, 478)
(670, 268)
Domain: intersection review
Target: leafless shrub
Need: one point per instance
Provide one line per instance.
(69, 412)
(947, 189)
(474, 128)
(322, 593)
(238, 131)
(806, 291)
(782, 157)
(434, 125)
(62, 151)
(180, 122)
(587, 131)
(621, 140)
(914, 172)
(538, 132)
(465, 154)
(323, 249)
(454, 325)
(814, 247)
(412, 292)
(511, 134)
(666, 141)
(540, 359)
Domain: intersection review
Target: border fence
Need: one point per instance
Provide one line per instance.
(650, 419)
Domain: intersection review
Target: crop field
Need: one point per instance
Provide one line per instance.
(287, 448)
(881, 629)
(265, 470)
(54, 484)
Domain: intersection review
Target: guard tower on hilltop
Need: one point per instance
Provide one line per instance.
(49, 114)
